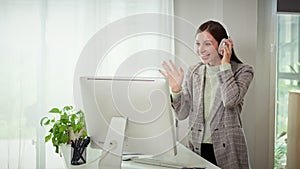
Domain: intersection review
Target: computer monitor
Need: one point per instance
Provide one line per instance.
(142, 104)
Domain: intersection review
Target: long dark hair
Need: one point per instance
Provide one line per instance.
(218, 32)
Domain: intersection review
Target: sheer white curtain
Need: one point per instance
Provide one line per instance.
(40, 43)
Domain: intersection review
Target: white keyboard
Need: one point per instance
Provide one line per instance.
(159, 162)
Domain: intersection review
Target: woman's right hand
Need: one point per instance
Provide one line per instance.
(174, 76)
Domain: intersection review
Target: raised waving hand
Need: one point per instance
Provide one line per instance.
(174, 76)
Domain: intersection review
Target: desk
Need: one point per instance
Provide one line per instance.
(184, 155)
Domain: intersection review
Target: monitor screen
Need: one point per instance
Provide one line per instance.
(144, 102)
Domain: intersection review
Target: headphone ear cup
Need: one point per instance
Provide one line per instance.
(222, 43)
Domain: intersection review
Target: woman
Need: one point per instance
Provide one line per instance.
(212, 97)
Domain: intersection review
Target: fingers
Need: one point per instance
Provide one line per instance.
(167, 67)
(171, 70)
(174, 76)
(181, 72)
(174, 68)
(172, 64)
(162, 73)
(227, 49)
(230, 43)
(168, 72)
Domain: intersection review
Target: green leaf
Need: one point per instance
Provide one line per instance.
(67, 108)
(77, 128)
(282, 134)
(64, 138)
(55, 142)
(55, 110)
(62, 128)
(84, 134)
(42, 121)
(73, 126)
(47, 122)
(47, 138)
(64, 119)
(80, 113)
(73, 117)
(293, 69)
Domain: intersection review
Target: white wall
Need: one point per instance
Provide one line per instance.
(252, 36)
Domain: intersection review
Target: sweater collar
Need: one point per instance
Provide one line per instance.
(212, 70)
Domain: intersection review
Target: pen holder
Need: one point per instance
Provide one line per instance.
(78, 151)
(78, 157)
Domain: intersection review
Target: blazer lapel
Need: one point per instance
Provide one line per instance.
(217, 104)
(200, 81)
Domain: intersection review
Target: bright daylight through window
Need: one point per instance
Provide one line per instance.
(288, 78)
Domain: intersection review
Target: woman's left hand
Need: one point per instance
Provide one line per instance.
(227, 51)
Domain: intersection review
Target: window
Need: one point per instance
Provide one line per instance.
(40, 43)
(288, 78)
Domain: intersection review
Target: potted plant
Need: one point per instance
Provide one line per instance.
(65, 125)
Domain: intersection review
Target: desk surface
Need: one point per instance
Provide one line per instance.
(184, 155)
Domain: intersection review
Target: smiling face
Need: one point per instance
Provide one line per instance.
(207, 48)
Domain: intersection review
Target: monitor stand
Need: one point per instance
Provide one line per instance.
(113, 146)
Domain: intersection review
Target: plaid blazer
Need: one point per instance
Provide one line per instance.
(228, 136)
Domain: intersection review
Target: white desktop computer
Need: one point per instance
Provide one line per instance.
(128, 115)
